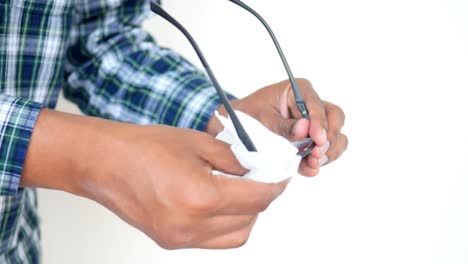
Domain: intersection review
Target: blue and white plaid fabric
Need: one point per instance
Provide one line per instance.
(97, 52)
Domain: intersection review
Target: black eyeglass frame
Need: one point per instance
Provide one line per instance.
(242, 134)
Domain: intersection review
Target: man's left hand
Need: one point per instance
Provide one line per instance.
(275, 107)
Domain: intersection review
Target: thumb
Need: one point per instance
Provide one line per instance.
(293, 129)
(220, 157)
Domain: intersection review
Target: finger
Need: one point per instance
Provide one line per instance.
(316, 109)
(317, 132)
(319, 151)
(337, 149)
(314, 163)
(240, 196)
(301, 129)
(307, 170)
(293, 129)
(289, 128)
(311, 165)
(311, 98)
(336, 119)
(335, 116)
(234, 239)
(221, 158)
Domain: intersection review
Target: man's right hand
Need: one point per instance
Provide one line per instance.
(156, 178)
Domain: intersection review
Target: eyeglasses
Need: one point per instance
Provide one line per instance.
(241, 133)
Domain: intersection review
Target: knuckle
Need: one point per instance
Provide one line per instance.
(334, 130)
(174, 235)
(341, 115)
(181, 239)
(345, 142)
(332, 136)
(262, 207)
(248, 221)
(323, 121)
(239, 243)
(167, 245)
(309, 172)
(241, 239)
(343, 145)
(176, 238)
(341, 112)
(174, 242)
(337, 111)
(204, 202)
(312, 173)
(319, 117)
(302, 81)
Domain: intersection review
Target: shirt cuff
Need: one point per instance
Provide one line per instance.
(17, 119)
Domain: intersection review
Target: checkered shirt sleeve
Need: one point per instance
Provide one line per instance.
(17, 119)
(116, 70)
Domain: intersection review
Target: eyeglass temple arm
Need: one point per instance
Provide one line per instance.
(297, 93)
(244, 137)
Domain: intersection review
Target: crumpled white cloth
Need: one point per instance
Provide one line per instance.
(275, 159)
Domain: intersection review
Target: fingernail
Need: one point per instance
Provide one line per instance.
(323, 134)
(323, 160)
(324, 149)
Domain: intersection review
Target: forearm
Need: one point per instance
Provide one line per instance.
(64, 150)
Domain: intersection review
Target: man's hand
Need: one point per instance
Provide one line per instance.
(275, 107)
(156, 178)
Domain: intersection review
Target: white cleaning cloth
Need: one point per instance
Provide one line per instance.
(275, 159)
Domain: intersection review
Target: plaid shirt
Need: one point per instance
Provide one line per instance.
(97, 52)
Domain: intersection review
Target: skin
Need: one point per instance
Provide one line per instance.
(275, 107)
(159, 178)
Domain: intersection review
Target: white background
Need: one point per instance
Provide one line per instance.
(398, 68)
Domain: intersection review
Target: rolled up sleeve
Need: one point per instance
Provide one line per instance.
(116, 70)
(17, 119)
